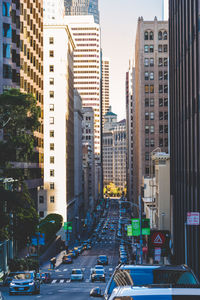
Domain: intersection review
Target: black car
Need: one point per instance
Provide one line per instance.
(102, 260)
(98, 275)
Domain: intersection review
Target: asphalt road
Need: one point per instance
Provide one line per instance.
(61, 287)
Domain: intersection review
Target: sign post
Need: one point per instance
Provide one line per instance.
(129, 230)
(135, 227)
(193, 218)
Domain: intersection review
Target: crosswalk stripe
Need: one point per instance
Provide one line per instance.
(110, 269)
(65, 270)
(62, 280)
(54, 281)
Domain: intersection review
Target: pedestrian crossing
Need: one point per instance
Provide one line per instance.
(67, 281)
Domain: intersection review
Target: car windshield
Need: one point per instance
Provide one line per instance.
(139, 277)
(76, 272)
(103, 257)
(98, 272)
(23, 276)
(160, 297)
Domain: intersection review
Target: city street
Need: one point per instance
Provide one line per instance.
(61, 287)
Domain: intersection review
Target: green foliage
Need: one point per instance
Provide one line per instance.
(48, 228)
(112, 190)
(19, 118)
(21, 264)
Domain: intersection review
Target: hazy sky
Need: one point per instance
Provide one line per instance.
(118, 20)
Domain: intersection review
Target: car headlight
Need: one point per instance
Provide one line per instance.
(31, 283)
(12, 284)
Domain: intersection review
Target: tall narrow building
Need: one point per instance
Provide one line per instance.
(21, 66)
(105, 88)
(82, 7)
(184, 58)
(151, 96)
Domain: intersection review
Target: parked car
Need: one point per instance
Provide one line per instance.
(102, 260)
(77, 274)
(142, 275)
(67, 259)
(24, 282)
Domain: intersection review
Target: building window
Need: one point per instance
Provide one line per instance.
(151, 77)
(152, 128)
(51, 40)
(160, 75)
(51, 120)
(165, 35)
(151, 36)
(51, 146)
(151, 115)
(51, 107)
(160, 35)
(6, 9)
(146, 62)
(160, 142)
(151, 102)
(165, 48)
(151, 49)
(166, 128)
(166, 102)
(51, 68)
(51, 159)
(146, 142)
(166, 89)
(160, 48)
(51, 185)
(152, 143)
(146, 102)
(165, 115)
(146, 76)
(52, 199)
(146, 155)
(146, 36)
(160, 128)
(6, 51)
(41, 199)
(151, 89)
(51, 133)
(51, 94)
(160, 102)
(52, 173)
(7, 71)
(7, 30)
(166, 142)
(146, 115)
(160, 62)
(51, 53)
(146, 89)
(146, 48)
(165, 61)
(160, 88)
(151, 62)
(160, 115)
(146, 129)
(51, 81)
(165, 75)
(41, 214)
(147, 170)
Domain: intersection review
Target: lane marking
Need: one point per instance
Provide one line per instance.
(110, 269)
(65, 270)
(54, 281)
(62, 280)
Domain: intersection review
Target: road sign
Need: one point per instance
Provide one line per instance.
(135, 227)
(34, 240)
(129, 230)
(193, 218)
(158, 239)
(41, 239)
(68, 226)
(145, 226)
(157, 254)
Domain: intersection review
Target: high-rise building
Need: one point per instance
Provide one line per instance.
(151, 96)
(184, 80)
(58, 190)
(53, 9)
(21, 66)
(105, 88)
(82, 7)
(87, 68)
(130, 90)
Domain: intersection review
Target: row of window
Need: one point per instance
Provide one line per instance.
(161, 89)
(162, 75)
(149, 35)
(150, 48)
(150, 116)
(162, 61)
(41, 198)
(150, 102)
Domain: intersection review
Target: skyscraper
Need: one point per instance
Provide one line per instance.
(105, 67)
(184, 58)
(151, 96)
(82, 7)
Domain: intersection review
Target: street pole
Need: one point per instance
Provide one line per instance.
(186, 243)
(141, 241)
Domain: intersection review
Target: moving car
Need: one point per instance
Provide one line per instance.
(24, 282)
(67, 259)
(155, 293)
(46, 277)
(73, 253)
(77, 274)
(9, 278)
(99, 267)
(141, 275)
(102, 260)
(98, 275)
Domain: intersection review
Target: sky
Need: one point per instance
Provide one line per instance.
(118, 20)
